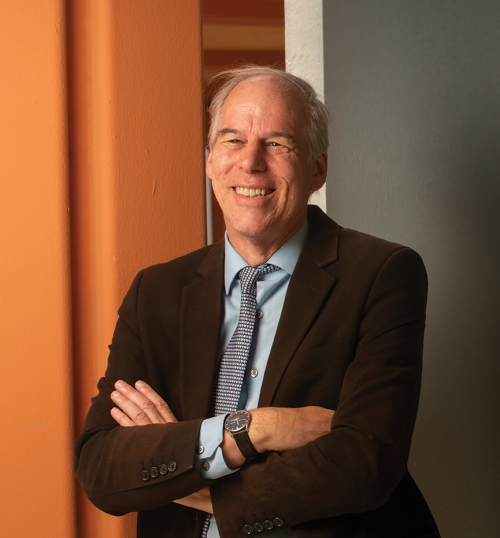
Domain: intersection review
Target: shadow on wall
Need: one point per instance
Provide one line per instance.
(457, 443)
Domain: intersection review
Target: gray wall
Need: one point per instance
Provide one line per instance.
(414, 90)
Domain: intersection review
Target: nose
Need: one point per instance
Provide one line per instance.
(252, 158)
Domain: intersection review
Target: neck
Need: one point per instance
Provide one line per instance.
(256, 251)
(254, 255)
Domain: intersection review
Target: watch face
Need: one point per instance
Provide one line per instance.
(237, 421)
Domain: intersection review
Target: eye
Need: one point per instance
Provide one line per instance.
(273, 144)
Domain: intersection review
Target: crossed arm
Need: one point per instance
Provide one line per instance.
(272, 429)
(363, 453)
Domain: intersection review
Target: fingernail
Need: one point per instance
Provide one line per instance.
(115, 394)
(120, 383)
(140, 383)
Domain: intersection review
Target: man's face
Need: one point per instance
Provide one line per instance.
(261, 147)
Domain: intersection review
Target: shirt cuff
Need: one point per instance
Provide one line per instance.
(209, 460)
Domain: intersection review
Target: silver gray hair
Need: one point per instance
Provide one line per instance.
(316, 130)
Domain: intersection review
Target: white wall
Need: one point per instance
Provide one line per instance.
(304, 45)
(414, 90)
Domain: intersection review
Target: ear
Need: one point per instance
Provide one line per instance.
(208, 167)
(320, 171)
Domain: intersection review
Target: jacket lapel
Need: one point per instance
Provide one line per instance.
(200, 322)
(309, 286)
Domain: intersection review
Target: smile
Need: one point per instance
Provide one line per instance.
(250, 193)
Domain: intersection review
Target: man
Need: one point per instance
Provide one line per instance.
(327, 357)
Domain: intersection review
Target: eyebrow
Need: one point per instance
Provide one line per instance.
(282, 134)
(279, 134)
(228, 131)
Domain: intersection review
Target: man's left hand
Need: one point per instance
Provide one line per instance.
(141, 406)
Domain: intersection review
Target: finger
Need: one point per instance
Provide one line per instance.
(138, 408)
(160, 404)
(121, 417)
(141, 401)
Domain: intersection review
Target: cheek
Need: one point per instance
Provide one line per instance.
(216, 173)
(221, 193)
(221, 163)
(298, 182)
(216, 187)
(225, 164)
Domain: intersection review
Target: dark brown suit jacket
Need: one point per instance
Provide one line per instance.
(349, 339)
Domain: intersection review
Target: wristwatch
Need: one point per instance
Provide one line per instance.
(237, 425)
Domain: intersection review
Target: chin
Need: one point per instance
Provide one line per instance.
(251, 232)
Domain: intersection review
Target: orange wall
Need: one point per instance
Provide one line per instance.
(117, 86)
(35, 313)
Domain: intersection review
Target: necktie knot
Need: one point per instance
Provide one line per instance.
(250, 275)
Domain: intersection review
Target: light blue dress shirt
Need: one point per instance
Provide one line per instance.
(271, 291)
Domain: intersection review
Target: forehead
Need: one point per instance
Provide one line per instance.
(264, 100)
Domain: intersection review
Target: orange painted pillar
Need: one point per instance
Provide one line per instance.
(136, 168)
(117, 88)
(37, 489)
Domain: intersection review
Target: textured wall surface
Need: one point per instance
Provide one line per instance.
(304, 53)
(414, 90)
(35, 315)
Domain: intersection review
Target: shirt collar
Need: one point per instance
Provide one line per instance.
(285, 257)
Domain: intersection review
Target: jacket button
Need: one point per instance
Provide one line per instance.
(172, 466)
(278, 522)
(268, 525)
(163, 469)
(247, 529)
(153, 472)
(144, 475)
(259, 314)
(257, 527)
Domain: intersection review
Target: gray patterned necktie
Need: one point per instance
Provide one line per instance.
(232, 368)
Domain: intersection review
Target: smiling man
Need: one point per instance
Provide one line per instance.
(261, 145)
(267, 384)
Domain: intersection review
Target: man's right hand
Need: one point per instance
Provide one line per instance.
(279, 429)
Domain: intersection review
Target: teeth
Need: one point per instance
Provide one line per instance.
(251, 193)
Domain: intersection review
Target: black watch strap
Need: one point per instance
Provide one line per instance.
(245, 445)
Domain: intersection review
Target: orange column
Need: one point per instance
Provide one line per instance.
(37, 489)
(136, 167)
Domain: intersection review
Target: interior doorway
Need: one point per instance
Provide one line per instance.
(238, 33)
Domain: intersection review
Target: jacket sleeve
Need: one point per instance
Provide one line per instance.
(109, 459)
(358, 464)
